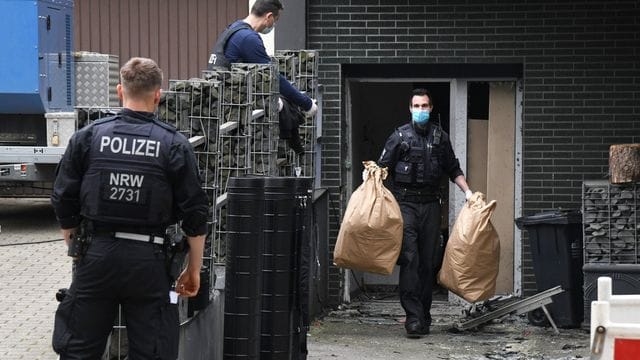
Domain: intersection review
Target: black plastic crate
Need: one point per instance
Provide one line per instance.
(625, 280)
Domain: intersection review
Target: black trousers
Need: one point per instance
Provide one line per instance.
(421, 234)
(118, 272)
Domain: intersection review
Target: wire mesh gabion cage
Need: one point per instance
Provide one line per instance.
(611, 223)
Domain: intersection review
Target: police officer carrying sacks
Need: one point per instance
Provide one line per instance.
(417, 155)
(121, 182)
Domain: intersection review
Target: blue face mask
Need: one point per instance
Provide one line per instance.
(420, 117)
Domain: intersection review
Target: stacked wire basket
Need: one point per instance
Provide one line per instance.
(611, 236)
(232, 120)
(611, 223)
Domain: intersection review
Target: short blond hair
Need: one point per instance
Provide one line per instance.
(140, 76)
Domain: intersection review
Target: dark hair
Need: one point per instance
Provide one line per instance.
(422, 92)
(262, 7)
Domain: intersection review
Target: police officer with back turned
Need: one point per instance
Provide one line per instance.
(120, 183)
(417, 155)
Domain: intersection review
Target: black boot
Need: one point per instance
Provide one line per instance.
(416, 330)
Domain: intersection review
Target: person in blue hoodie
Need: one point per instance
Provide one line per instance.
(241, 42)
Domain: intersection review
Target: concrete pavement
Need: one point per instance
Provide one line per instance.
(32, 269)
(34, 265)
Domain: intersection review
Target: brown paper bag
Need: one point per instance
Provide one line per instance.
(370, 235)
(471, 258)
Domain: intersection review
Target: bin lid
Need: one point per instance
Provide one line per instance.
(557, 217)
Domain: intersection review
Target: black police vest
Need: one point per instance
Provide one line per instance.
(217, 60)
(418, 165)
(125, 181)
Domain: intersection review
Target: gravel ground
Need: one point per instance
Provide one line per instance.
(373, 329)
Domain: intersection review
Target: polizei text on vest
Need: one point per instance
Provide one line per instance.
(130, 146)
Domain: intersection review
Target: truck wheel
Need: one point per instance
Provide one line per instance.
(537, 317)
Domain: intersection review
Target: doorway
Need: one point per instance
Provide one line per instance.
(377, 108)
(481, 117)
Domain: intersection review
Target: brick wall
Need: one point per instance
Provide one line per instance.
(581, 72)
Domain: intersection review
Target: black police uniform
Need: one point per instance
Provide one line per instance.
(417, 159)
(127, 178)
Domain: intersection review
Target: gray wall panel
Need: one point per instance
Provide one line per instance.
(291, 27)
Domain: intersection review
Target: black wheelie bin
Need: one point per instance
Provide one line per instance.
(555, 240)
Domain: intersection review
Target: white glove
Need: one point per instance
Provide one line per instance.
(314, 109)
(467, 194)
(280, 104)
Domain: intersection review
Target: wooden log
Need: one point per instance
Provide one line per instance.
(624, 163)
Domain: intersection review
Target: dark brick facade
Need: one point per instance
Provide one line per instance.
(581, 76)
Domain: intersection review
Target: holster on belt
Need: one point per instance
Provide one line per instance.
(176, 247)
(79, 242)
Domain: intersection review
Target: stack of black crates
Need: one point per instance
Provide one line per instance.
(267, 268)
(611, 225)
